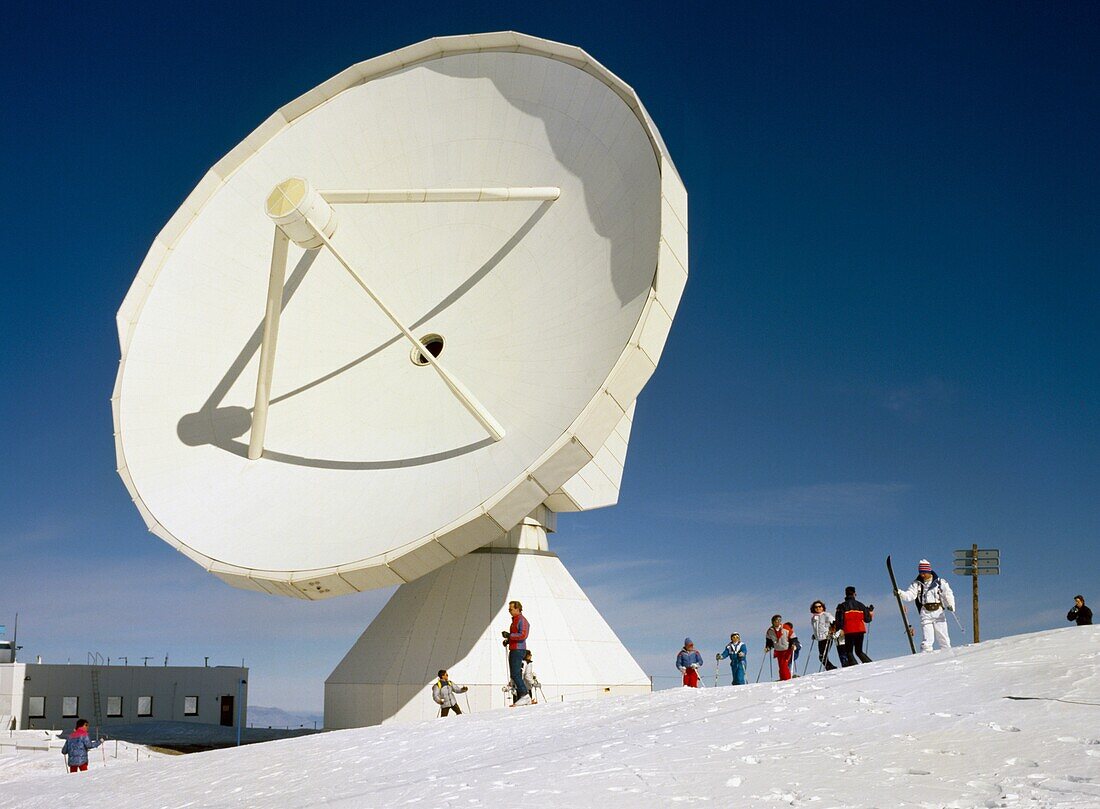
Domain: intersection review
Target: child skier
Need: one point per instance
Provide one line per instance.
(77, 746)
(796, 647)
(530, 679)
(689, 661)
(933, 596)
(738, 654)
(443, 692)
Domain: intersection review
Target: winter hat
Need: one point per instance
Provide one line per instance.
(687, 642)
(924, 566)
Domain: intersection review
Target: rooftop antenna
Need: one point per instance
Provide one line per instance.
(145, 660)
(417, 332)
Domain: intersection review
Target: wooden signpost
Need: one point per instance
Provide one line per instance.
(975, 562)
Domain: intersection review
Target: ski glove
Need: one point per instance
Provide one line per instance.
(717, 658)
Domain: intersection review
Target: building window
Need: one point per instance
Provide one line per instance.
(114, 706)
(36, 707)
(145, 706)
(69, 707)
(190, 706)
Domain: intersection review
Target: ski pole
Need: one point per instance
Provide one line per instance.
(771, 669)
(760, 670)
(467, 696)
(716, 672)
(961, 627)
(806, 666)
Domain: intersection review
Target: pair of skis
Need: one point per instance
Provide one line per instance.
(901, 606)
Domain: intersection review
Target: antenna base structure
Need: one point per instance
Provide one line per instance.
(452, 618)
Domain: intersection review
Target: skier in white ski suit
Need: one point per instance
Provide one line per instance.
(530, 679)
(933, 596)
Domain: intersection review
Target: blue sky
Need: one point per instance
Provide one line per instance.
(889, 343)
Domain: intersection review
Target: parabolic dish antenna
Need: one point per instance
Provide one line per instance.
(413, 306)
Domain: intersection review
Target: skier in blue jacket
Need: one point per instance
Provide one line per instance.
(689, 661)
(77, 746)
(738, 655)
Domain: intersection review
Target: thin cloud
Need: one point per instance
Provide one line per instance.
(816, 505)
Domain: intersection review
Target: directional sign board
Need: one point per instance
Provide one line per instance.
(980, 562)
(981, 571)
(990, 554)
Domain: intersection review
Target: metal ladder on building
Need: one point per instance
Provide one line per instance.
(97, 706)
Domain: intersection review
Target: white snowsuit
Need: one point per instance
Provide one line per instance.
(529, 678)
(933, 623)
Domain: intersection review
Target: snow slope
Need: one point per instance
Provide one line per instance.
(37, 753)
(934, 730)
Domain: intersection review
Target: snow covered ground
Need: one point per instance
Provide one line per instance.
(935, 730)
(35, 753)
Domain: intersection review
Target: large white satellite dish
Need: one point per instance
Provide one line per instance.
(411, 309)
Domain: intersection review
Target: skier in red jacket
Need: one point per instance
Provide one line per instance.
(852, 617)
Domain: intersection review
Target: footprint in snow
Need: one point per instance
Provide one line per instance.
(1004, 729)
(1079, 779)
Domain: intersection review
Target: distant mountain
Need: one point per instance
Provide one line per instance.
(261, 717)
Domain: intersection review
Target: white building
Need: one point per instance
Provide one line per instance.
(48, 695)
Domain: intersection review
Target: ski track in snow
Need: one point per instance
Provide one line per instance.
(931, 731)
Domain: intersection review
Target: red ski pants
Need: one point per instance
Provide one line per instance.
(691, 678)
(783, 658)
(78, 767)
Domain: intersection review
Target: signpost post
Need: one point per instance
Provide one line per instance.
(976, 562)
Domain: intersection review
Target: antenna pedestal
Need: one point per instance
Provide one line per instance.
(452, 619)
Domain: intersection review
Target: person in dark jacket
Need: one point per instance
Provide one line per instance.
(1080, 613)
(77, 746)
(852, 617)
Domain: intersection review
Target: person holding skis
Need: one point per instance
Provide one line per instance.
(934, 600)
(737, 653)
(77, 746)
(821, 628)
(443, 692)
(530, 679)
(516, 641)
(852, 617)
(1080, 613)
(778, 640)
(689, 661)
